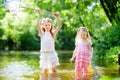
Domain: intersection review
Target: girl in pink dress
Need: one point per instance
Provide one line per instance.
(48, 56)
(82, 52)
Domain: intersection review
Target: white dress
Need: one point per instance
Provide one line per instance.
(48, 55)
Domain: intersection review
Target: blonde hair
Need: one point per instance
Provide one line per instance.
(44, 20)
(78, 35)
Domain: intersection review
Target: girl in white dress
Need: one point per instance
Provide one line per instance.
(48, 55)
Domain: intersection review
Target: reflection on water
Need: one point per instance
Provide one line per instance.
(26, 67)
(49, 77)
(87, 76)
(15, 70)
(59, 76)
(22, 71)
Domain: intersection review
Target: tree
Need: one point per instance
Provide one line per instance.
(111, 8)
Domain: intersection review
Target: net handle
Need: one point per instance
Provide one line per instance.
(35, 9)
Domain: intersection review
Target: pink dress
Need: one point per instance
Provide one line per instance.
(83, 56)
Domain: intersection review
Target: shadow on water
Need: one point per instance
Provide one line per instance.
(25, 66)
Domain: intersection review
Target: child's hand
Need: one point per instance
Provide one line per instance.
(37, 10)
(56, 14)
(71, 60)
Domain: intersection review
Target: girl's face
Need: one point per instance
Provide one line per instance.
(83, 34)
(47, 26)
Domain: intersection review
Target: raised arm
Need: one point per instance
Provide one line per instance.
(58, 21)
(38, 22)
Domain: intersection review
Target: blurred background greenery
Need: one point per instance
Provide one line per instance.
(19, 33)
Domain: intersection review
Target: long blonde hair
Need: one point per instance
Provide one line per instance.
(48, 20)
(78, 35)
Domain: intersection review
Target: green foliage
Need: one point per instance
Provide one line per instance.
(109, 43)
(29, 41)
(1, 32)
(112, 54)
(2, 12)
(19, 33)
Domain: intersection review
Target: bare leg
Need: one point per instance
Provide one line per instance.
(45, 70)
(54, 70)
(78, 75)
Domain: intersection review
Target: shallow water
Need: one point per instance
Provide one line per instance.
(25, 66)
